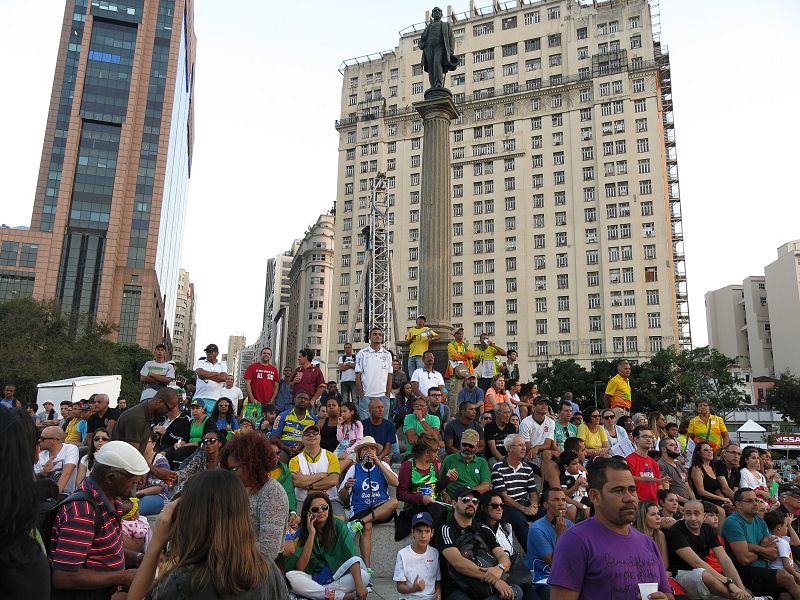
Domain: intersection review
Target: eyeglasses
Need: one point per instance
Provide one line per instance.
(101, 439)
(318, 509)
(210, 441)
(234, 469)
(495, 505)
(608, 416)
(310, 433)
(434, 395)
(469, 500)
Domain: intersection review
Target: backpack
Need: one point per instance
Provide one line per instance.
(49, 511)
(474, 549)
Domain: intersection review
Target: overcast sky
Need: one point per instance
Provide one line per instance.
(267, 93)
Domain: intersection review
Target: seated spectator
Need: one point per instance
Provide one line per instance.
(496, 394)
(751, 548)
(513, 480)
(751, 475)
(48, 416)
(648, 522)
(729, 469)
(325, 563)
(564, 428)
(23, 563)
(381, 430)
(153, 495)
(75, 427)
(365, 490)
(542, 538)
(329, 425)
(461, 539)
(315, 469)
(266, 422)
(669, 508)
(224, 417)
(495, 432)
(290, 425)
(645, 470)
(99, 437)
(205, 458)
(420, 422)
(706, 484)
(419, 486)
(594, 434)
(456, 428)
(416, 571)
(332, 391)
(437, 407)
(574, 483)
(690, 542)
(779, 526)
(224, 562)
(625, 444)
(171, 428)
(135, 528)
(282, 475)
(199, 425)
(65, 409)
(349, 431)
(403, 404)
(87, 556)
(471, 392)
(246, 424)
(57, 460)
(465, 469)
(670, 466)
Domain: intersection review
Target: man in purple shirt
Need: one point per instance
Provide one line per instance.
(604, 557)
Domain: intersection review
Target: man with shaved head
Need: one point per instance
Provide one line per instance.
(57, 461)
(691, 540)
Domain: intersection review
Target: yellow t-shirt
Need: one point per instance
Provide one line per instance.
(620, 389)
(710, 432)
(593, 440)
(418, 345)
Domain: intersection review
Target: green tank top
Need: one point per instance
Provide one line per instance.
(196, 431)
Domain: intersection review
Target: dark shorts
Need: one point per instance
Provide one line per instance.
(759, 580)
(366, 511)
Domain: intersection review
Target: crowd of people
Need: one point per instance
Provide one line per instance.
(504, 492)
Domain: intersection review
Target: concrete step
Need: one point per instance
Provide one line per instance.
(385, 549)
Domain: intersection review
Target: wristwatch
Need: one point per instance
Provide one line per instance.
(729, 582)
(501, 567)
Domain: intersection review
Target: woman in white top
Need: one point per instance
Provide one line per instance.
(751, 475)
(614, 432)
(99, 438)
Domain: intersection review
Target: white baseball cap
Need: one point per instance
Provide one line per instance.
(122, 455)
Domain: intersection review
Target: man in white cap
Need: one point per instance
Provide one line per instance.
(86, 548)
(47, 416)
(365, 488)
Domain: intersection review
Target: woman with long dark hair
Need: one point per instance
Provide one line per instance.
(705, 483)
(751, 475)
(24, 569)
(212, 551)
(325, 563)
(223, 417)
(205, 458)
(153, 495)
(99, 438)
(251, 456)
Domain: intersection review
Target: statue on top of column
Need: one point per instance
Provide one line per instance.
(437, 44)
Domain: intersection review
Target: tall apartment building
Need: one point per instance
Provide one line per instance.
(108, 216)
(567, 239)
(756, 322)
(276, 300)
(185, 331)
(235, 344)
(310, 292)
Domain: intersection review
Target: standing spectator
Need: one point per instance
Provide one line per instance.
(284, 400)
(465, 468)
(419, 339)
(563, 428)
(514, 481)
(308, 377)
(709, 428)
(510, 368)
(645, 470)
(156, 373)
(485, 364)
(670, 467)
(23, 565)
(261, 379)
(618, 391)
(459, 572)
(234, 394)
(9, 399)
(373, 373)
(426, 377)
(346, 366)
(691, 542)
(456, 428)
(211, 376)
(604, 557)
(315, 469)
(252, 458)
(103, 415)
(365, 490)
(543, 536)
(58, 461)
(495, 433)
(86, 544)
(460, 355)
(290, 425)
(381, 430)
(751, 547)
(471, 392)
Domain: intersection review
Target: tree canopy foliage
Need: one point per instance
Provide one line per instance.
(784, 397)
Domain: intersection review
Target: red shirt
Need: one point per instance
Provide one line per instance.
(74, 545)
(644, 467)
(263, 379)
(311, 381)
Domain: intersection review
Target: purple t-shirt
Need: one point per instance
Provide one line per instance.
(602, 564)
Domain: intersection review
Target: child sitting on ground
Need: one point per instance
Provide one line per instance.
(416, 572)
(135, 528)
(778, 525)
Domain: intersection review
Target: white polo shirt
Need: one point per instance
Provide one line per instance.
(375, 367)
(427, 380)
(537, 433)
(212, 390)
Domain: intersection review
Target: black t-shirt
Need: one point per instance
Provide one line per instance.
(29, 578)
(447, 537)
(732, 478)
(493, 432)
(678, 536)
(96, 421)
(327, 437)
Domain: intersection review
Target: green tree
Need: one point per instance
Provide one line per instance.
(565, 376)
(785, 397)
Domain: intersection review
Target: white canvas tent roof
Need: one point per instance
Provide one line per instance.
(750, 426)
(79, 381)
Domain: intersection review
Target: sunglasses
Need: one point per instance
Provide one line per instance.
(210, 440)
(310, 433)
(234, 469)
(608, 416)
(495, 505)
(318, 509)
(100, 439)
(469, 500)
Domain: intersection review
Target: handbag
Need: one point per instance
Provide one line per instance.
(518, 573)
(474, 549)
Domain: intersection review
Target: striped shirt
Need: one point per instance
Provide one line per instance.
(517, 483)
(289, 427)
(74, 544)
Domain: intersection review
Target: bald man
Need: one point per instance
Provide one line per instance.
(57, 461)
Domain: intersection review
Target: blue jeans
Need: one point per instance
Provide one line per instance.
(362, 404)
(414, 363)
(151, 505)
(519, 524)
(348, 390)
